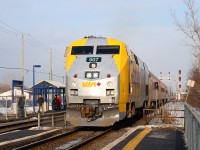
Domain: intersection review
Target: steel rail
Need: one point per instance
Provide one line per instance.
(86, 141)
(23, 124)
(34, 144)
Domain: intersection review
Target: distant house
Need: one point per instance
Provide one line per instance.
(8, 95)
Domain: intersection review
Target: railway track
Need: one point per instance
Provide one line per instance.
(50, 139)
(87, 141)
(46, 120)
(77, 138)
(73, 139)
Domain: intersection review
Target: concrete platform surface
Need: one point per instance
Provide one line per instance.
(150, 138)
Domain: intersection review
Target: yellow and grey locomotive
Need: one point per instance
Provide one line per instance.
(105, 82)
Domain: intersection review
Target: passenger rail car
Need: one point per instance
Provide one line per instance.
(105, 82)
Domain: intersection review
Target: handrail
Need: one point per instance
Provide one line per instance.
(192, 128)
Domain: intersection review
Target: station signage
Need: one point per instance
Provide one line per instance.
(17, 83)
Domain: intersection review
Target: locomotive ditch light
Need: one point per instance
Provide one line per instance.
(93, 65)
(92, 75)
(95, 75)
(107, 92)
(88, 75)
(110, 92)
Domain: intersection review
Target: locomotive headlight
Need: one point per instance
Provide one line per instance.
(109, 84)
(95, 75)
(110, 92)
(107, 92)
(89, 75)
(92, 75)
(73, 84)
(74, 92)
(93, 65)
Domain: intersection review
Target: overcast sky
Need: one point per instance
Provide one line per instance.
(145, 26)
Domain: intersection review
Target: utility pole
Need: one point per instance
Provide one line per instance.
(50, 64)
(22, 71)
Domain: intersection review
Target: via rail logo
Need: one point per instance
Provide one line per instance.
(90, 84)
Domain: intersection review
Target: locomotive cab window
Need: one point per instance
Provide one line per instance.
(82, 50)
(107, 49)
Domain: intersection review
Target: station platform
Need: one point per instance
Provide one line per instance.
(138, 138)
(12, 117)
(150, 138)
(12, 139)
(18, 134)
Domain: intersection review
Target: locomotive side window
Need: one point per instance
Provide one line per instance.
(82, 50)
(108, 49)
(136, 60)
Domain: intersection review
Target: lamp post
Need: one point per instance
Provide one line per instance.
(33, 89)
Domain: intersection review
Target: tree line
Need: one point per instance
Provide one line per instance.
(190, 27)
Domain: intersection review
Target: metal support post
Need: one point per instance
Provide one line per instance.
(38, 119)
(65, 118)
(156, 101)
(6, 109)
(17, 108)
(25, 107)
(33, 89)
(50, 64)
(22, 74)
(52, 120)
(198, 136)
(187, 94)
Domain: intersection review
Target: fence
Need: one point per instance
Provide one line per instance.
(170, 113)
(165, 116)
(56, 119)
(8, 108)
(192, 128)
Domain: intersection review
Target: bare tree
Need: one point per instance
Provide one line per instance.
(6, 84)
(190, 26)
(194, 96)
(4, 87)
(7, 79)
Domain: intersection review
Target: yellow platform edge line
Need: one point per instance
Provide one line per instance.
(134, 142)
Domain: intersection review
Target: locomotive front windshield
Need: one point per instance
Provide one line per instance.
(107, 49)
(82, 50)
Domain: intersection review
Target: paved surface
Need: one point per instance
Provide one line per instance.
(151, 139)
(163, 139)
(126, 140)
(18, 134)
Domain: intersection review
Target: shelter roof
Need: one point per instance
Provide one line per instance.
(50, 83)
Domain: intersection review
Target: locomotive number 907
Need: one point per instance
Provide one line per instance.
(93, 59)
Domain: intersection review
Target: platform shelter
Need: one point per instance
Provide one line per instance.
(49, 88)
